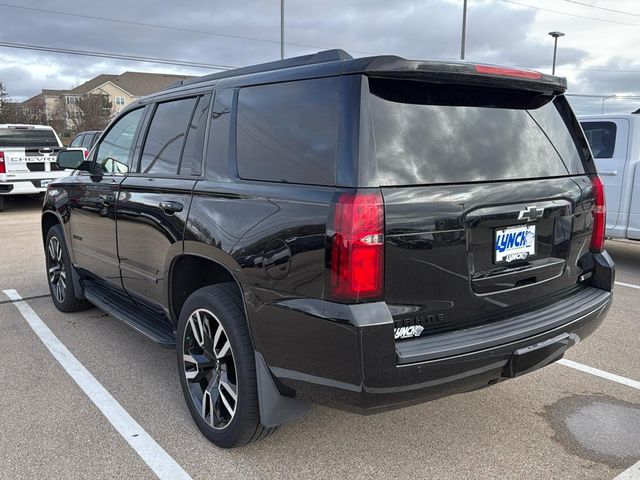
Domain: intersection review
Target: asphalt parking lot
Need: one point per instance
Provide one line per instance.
(558, 422)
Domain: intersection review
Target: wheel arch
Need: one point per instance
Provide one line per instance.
(189, 272)
(48, 220)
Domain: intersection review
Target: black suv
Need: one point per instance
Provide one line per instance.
(365, 233)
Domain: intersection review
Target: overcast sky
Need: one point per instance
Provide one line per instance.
(597, 57)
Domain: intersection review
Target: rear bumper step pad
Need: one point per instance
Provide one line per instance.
(588, 301)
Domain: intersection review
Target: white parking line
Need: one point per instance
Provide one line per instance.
(631, 473)
(158, 460)
(600, 373)
(630, 285)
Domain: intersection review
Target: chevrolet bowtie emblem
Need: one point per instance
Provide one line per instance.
(531, 213)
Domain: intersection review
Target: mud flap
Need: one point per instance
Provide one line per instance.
(275, 408)
(536, 356)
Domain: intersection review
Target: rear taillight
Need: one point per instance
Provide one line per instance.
(357, 247)
(3, 167)
(599, 215)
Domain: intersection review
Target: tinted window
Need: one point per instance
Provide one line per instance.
(112, 154)
(25, 137)
(287, 132)
(86, 141)
(601, 137)
(218, 149)
(428, 133)
(165, 138)
(76, 142)
(192, 155)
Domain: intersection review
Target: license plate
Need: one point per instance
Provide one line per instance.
(515, 243)
(44, 183)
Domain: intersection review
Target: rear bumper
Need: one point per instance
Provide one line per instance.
(22, 187)
(345, 356)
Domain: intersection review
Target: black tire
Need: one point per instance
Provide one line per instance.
(1, 203)
(59, 277)
(213, 305)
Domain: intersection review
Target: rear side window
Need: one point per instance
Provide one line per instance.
(192, 155)
(426, 134)
(27, 137)
(287, 132)
(166, 136)
(601, 137)
(77, 141)
(86, 141)
(219, 132)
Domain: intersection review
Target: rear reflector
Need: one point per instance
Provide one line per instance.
(507, 72)
(3, 167)
(357, 247)
(599, 215)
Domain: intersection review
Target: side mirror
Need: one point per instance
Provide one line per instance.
(72, 160)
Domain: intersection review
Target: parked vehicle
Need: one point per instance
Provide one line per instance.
(365, 233)
(27, 159)
(615, 143)
(86, 139)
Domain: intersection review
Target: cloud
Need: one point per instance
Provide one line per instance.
(497, 33)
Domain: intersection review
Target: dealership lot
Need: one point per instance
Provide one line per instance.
(558, 422)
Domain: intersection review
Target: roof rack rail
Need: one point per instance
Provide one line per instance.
(319, 57)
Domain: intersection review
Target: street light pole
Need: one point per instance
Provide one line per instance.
(555, 36)
(464, 29)
(281, 29)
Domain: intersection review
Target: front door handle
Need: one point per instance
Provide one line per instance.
(608, 172)
(171, 207)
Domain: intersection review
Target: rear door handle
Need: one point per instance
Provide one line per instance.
(171, 207)
(608, 172)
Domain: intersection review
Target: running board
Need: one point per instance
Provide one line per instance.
(156, 327)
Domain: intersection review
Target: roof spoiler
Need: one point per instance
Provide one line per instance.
(460, 72)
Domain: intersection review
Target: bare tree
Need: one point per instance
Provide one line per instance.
(57, 116)
(32, 112)
(89, 112)
(4, 101)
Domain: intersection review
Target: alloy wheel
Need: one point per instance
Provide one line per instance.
(210, 369)
(57, 271)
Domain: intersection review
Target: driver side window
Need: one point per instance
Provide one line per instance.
(112, 156)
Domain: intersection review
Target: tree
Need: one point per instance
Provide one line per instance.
(89, 112)
(32, 111)
(57, 115)
(4, 100)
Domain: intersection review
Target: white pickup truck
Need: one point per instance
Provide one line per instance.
(27, 159)
(615, 142)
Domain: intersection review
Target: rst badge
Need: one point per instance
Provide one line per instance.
(515, 243)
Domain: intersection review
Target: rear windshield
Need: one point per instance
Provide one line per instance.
(426, 134)
(10, 137)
